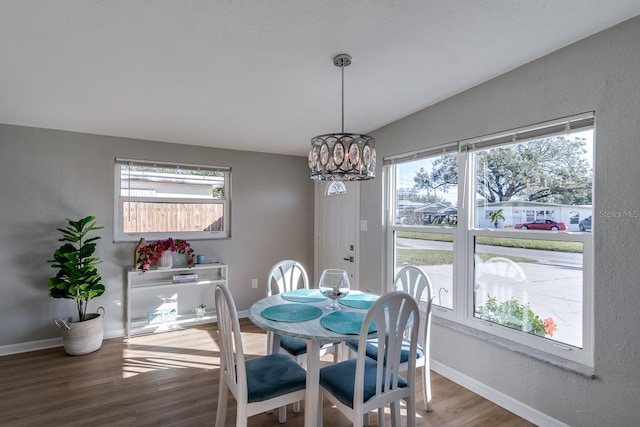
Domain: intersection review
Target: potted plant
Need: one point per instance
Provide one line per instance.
(200, 310)
(155, 251)
(78, 279)
(516, 315)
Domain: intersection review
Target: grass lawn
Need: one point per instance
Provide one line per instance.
(438, 257)
(544, 245)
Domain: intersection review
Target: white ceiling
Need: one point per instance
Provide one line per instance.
(258, 74)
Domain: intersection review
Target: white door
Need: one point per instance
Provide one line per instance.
(336, 230)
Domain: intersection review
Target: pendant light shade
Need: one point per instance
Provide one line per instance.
(342, 156)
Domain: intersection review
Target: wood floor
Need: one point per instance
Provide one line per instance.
(171, 379)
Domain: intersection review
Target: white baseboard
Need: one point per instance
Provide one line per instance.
(507, 402)
(24, 347)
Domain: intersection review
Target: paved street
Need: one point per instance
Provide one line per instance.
(552, 286)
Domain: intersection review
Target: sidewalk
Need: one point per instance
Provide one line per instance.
(551, 290)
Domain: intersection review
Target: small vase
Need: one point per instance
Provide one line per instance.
(200, 312)
(165, 260)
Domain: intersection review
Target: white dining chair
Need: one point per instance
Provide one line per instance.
(259, 384)
(415, 282)
(285, 276)
(361, 385)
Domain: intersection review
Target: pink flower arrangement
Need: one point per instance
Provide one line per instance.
(152, 252)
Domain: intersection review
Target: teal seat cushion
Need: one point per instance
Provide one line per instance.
(273, 375)
(339, 380)
(293, 346)
(296, 346)
(372, 350)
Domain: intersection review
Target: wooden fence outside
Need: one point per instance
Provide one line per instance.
(141, 217)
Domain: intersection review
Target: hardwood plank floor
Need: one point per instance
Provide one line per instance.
(171, 379)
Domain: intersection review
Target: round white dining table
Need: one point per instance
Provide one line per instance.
(315, 336)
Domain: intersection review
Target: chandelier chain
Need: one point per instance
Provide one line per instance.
(342, 69)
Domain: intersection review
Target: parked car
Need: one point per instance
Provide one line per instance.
(585, 224)
(542, 224)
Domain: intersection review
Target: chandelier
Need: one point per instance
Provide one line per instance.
(342, 156)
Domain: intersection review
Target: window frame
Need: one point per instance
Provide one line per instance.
(462, 314)
(121, 236)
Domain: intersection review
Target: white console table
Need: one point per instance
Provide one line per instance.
(163, 299)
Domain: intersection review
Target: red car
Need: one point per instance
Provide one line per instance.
(542, 224)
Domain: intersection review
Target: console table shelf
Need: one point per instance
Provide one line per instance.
(161, 300)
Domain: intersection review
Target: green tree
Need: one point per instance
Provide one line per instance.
(443, 174)
(549, 169)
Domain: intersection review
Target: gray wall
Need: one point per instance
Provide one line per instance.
(601, 73)
(47, 176)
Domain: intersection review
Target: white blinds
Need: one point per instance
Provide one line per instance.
(177, 166)
(562, 126)
(451, 147)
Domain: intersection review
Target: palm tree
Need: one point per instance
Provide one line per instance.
(496, 215)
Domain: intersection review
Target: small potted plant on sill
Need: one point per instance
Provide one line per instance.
(160, 253)
(200, 311)
(78, 279)
(516, 315)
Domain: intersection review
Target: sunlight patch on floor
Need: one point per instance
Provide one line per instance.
(191, 348)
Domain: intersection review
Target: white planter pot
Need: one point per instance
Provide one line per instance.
(166, 260)
(82, 337)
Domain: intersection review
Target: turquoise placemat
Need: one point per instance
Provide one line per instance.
(345, 322)
(291, 312)
(303, 295)
(364, 301)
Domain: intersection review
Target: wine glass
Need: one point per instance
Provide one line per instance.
(334, 284)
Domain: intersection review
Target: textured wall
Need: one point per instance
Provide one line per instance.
(47, 176)
(600, 73)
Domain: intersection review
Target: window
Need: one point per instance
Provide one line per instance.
(160, 200)
(495, 226)
(425, 189)
(574, 217)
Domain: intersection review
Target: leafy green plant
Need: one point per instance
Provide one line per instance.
(77, 276)
(495, 216)
(516, 315)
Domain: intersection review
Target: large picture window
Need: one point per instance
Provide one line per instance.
(502, 226)
(159, 200)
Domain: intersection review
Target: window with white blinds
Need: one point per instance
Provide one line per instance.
(158, 200)
(502, 224)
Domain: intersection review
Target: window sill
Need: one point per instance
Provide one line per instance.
(567, 365)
